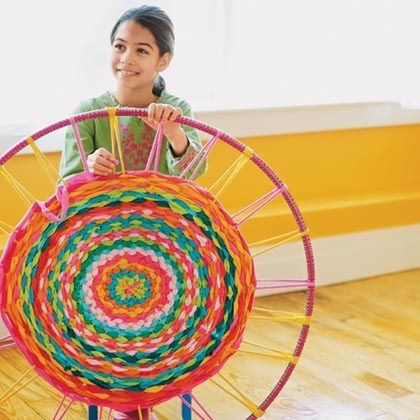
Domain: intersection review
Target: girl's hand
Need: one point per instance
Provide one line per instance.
(167, 114)
(101, 162)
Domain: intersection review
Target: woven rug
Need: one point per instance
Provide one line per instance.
(139, 294)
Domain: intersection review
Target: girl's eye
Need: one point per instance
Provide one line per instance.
(118, 46)
(142, 51)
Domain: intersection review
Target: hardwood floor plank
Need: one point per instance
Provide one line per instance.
(361, 360)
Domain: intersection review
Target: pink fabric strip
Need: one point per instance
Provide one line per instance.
(279, 284)
(155, 151)
(201, 406)
(79, 142)
(6, 338)
(6, 346)
(159, 134)
(210, 144)
(283, 280)
(192, 408)
(65, 411)
(62, 196)
(200, 155)
(268, 198)
(59, 407)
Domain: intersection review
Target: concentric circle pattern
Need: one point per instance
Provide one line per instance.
(141, 292)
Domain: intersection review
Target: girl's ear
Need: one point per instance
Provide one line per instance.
(164, 61)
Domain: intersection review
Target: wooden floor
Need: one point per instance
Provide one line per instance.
(361, 361)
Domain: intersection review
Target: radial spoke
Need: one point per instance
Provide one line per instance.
(281, 316)
(200, 158)
(283, 238)
(274, 352)
(49, 169)
(283, 283)
(114, 129)
(26, 195)
(6, 228)
(66, 407)
(199, 415)
(16, 387)
(239, 396)
(258, 204)
(229, 175)
(154, 155)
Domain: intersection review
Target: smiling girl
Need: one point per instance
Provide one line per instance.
(142, 45)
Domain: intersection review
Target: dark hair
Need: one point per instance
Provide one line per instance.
(161, 27)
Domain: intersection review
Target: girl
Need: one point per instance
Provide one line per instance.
(142, 46)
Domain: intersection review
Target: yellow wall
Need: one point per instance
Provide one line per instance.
(343, 181)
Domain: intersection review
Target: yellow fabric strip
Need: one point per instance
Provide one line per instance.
(243, 399)
(111, 114)
(288, 356)
(141, 414)
(6, 228)
(231, 172)
(114, 128)
(295, 318)
(281, 354)
(46, 165)
(274, 311)
(11, 391)
(118, 137)
(288, 237)
(19, 188)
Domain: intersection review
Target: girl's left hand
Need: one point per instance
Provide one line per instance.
(167, 114)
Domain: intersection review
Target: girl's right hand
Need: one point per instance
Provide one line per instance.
(101, 162)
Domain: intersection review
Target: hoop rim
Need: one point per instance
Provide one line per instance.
(142, 112)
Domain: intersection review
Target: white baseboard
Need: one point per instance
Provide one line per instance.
(342, 258)
(346, 257)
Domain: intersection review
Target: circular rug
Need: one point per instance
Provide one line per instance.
(139, 294)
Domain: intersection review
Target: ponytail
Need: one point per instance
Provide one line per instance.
(159, 85)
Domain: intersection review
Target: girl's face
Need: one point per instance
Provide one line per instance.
(135, 57)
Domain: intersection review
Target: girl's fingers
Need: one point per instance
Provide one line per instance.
(98, 169)
(159, 110)
(103, 153)
(149, 122)
(175, 114)
(151, 111)
(101, 162)
(104, 162)
(162, 112)
(167, 113)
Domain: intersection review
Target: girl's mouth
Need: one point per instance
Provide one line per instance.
(128, 73)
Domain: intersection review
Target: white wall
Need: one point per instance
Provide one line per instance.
(229, 53)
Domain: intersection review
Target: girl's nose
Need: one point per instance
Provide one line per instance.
(127, 57)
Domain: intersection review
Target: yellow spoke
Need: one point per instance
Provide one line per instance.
(288, 317)
(231, 172)
(6, 228)
(242, 398)
(12, 391)
(285, 237)
(49, 169)
(19, 188)
(276, 353)
(114, 129)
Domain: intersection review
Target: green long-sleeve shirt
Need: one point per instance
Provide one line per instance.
(136, 138)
